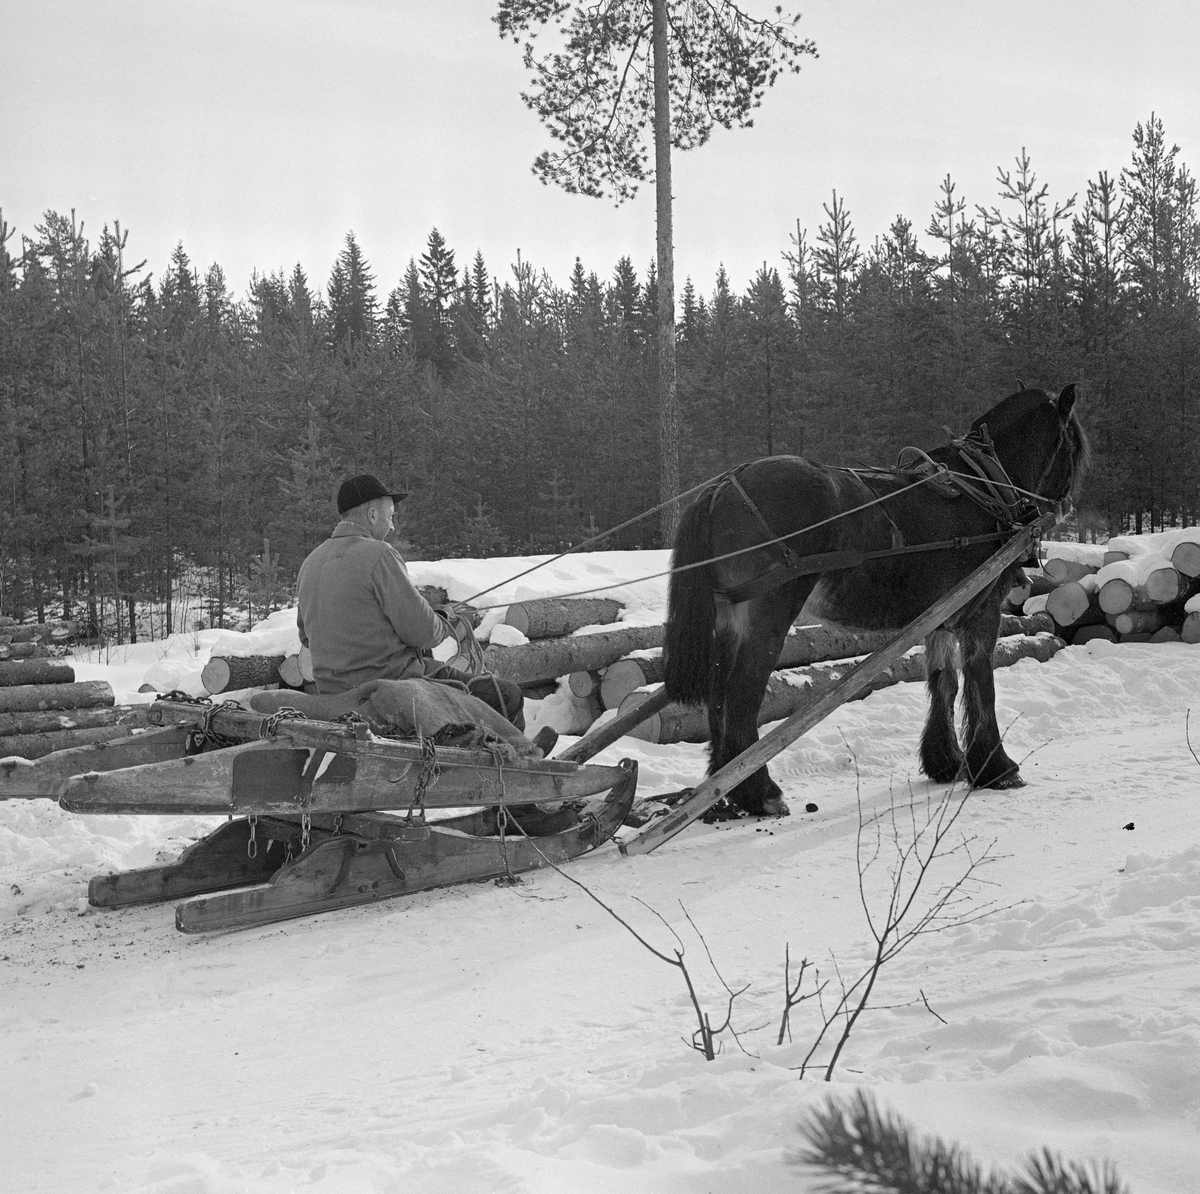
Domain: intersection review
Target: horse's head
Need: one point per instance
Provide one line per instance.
(1040, 441)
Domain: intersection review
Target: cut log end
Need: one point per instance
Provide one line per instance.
(1186, 559)
(228, 673)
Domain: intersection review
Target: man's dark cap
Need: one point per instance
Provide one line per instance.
(364, 488)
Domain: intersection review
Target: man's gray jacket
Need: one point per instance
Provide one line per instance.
(360, 615)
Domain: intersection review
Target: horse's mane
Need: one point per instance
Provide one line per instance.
(1018, 409)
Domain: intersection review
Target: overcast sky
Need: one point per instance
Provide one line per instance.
(258, 132)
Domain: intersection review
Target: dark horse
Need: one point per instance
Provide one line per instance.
(722, 643)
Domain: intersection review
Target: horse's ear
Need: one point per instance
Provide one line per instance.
(1065, 401)
(1020, 386)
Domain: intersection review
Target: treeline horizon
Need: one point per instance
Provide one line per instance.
(156, 428)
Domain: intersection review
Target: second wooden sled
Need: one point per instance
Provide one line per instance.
(306, 833)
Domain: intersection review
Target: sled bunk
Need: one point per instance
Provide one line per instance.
(323, 815)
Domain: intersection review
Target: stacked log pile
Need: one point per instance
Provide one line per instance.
(44, 709)
(1128, 593)
(606, 668)
(43, 640)
(788, 690)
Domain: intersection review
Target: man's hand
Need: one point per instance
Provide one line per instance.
(452, 611)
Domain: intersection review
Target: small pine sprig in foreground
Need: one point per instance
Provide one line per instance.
(858, 1150)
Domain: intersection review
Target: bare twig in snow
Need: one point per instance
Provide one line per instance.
(909, 838)
(704, 1039)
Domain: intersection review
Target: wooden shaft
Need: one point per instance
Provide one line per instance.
(596, 741)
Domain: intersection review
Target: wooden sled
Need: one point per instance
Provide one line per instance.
(261, 872)
(307, 831)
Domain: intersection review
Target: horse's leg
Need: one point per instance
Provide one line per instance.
(749, 638)
(941, 758)
(988, 766)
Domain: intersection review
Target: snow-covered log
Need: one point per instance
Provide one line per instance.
(626, 676)
(1136, 621)
(39, 632)
(296, 670)
(568, 714)
(1036, 584)
(1061, 570)
(1066, 549)
(227, 673)
(1085, 634)
(1186, 556)
(584, 684)
(89, 694)
(1075, 603)
(1125, 584)
(36, 671)
(29, 650)
(1166, 584)
(289, 672)
(1040, 623)
(788, 691)
(549, 658)
(553, 617)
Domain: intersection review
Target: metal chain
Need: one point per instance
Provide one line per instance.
(305, 827)
(252, 844)
(431, 772)
(508, 879)
(270, 724)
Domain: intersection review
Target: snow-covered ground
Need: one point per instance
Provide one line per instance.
(482, 1039)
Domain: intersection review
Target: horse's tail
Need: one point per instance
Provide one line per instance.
(691, 617)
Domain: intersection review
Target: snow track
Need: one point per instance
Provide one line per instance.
(488, 1039)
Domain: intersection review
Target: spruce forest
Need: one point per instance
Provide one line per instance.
(161, 432)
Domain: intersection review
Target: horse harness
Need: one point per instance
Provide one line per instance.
(990, 488)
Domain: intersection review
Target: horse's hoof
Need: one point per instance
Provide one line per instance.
(1011, 780)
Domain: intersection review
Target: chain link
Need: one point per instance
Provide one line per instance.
(270, 724)
(252, 844)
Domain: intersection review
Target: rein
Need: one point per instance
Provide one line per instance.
(986, 486)
(990, 488)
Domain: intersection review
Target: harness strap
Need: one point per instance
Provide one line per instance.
(836, 561)
(791, 560)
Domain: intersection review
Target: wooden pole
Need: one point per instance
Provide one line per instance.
(668, 411)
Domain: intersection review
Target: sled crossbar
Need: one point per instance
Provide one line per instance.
(722, 782)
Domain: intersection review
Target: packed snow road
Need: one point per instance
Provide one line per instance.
(483, 1038)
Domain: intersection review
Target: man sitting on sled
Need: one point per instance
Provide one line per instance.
(363, 620)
